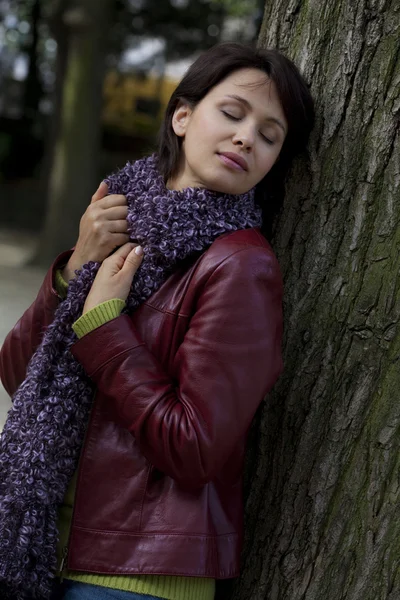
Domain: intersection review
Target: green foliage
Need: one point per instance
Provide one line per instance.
(186, 25)
(238, 8)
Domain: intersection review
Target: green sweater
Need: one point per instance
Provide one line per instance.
(163, 586)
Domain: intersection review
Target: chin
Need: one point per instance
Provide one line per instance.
(226, 187)
(229, 189)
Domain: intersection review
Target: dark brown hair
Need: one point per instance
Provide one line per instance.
(209, 70)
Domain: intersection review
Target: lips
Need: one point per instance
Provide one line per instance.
(236, 158)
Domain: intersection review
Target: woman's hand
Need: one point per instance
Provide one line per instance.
(103, 227)
(114, 278)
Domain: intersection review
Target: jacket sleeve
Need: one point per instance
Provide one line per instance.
(26, 335)
(188, 422)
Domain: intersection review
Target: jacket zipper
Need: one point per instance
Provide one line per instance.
(64, 558)
(63, 563)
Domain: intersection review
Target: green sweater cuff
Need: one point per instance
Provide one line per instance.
(97, 316)
(60, 284)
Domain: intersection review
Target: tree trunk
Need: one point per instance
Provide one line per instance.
(322, 512)
(73, 177)
(59, 32)
(33, 85)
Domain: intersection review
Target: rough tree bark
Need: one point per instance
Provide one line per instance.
(73, 177)
(323, 518)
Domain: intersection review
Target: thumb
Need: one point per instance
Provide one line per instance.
(100, 193)
(133, 261)
(113, 264)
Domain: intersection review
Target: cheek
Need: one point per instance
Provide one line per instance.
(207, 130)
(198, 144)
(266, 162)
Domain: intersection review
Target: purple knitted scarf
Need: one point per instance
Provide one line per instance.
(43, 434)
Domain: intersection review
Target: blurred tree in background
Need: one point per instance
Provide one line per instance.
(74, 168)
(54, 56)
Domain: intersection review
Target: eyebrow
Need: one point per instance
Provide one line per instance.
(248, 105)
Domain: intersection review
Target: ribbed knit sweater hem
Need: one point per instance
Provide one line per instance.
(160, 586)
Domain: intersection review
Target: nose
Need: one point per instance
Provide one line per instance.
(244, 137)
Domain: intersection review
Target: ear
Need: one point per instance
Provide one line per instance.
(181, 118)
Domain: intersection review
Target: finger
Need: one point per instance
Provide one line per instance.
(100, 193)
(133, 261)
(118, 226)
(118, 239)
(123, 251)
(114, 263)
(116, 213)
(113, 200)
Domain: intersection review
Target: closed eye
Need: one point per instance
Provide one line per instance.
(229, 116)
(268, 140)
(233, 118)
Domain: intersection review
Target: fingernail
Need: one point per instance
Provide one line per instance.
(139, 250)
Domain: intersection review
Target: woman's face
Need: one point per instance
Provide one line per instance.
(233, 136)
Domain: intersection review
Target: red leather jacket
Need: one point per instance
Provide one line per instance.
(160, 479)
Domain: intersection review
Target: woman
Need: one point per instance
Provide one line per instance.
(171, 345)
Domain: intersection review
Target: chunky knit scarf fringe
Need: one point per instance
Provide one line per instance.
(42, 437)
